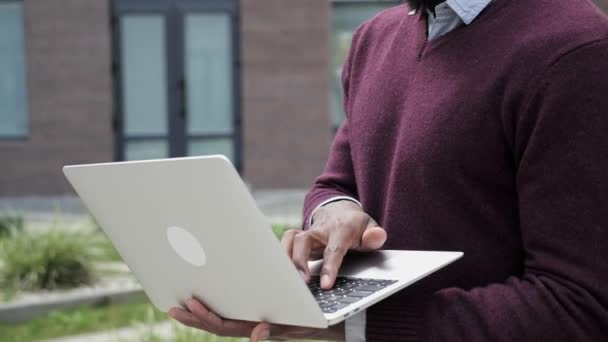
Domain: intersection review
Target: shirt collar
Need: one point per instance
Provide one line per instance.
(467, 10)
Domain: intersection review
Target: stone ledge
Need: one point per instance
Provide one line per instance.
(27, 309)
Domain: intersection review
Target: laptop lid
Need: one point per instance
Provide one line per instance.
(189, 226)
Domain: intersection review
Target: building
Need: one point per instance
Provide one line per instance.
(102, 80)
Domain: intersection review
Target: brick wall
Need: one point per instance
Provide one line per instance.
(69, 92)
(286, 127)
(285, 58)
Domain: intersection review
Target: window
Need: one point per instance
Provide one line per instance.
(177, 90)
(209, 88)
(13, 99)
(145, 103)
(346, 17)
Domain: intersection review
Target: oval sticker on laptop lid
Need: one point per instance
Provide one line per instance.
(186, 246)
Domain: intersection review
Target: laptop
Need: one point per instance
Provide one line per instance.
(189, 227)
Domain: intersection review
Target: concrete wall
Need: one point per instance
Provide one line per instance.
(69, 91)
(286, 125)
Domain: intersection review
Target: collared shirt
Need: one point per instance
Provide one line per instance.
(448, 16)
(452, 14)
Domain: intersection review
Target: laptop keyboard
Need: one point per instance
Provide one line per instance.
(346, 291)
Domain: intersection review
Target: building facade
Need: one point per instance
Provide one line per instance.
(86, 81)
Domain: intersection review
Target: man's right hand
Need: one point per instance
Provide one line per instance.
(337, 228)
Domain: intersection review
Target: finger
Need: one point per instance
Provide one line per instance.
(226, 327)
(261, 332)
(316, 253)
(371, 223)
(198, 310)
(334, 255)
(236, 328)
(185, 318)
(213, 321)
(287, 240)
(207, 319)
(302, 245)
(373, 238)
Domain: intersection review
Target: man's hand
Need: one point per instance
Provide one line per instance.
(337, 228)
(199, 317)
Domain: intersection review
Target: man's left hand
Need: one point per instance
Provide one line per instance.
(199, 317)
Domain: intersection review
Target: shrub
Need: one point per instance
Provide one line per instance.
(10, 226)
(46, 260)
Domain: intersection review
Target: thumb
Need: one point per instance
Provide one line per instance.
(261, 332)
(373, 238)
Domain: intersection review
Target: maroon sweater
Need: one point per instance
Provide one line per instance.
(493, 140)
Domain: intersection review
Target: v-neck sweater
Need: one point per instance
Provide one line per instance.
(491, 140)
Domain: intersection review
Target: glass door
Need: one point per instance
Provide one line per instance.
(144, 86)
(208, 69)
(176, 78)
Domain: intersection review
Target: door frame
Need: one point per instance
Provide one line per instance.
(174, 12)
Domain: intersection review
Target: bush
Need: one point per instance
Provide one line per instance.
(49, 260)
(10, 226)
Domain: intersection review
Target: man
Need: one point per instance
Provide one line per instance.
(478, 126)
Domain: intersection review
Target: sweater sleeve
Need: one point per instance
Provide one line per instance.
(338, 177)
(561, 148)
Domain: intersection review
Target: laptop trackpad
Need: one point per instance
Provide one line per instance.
(376, 264)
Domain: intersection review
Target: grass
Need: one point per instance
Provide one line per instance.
(81, 320)
(50, 260)
(185, 334)
(10, 226)
(87, 319)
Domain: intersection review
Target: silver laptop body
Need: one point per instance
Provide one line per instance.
(189, 227)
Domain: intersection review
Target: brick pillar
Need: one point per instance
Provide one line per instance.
(285, 59)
